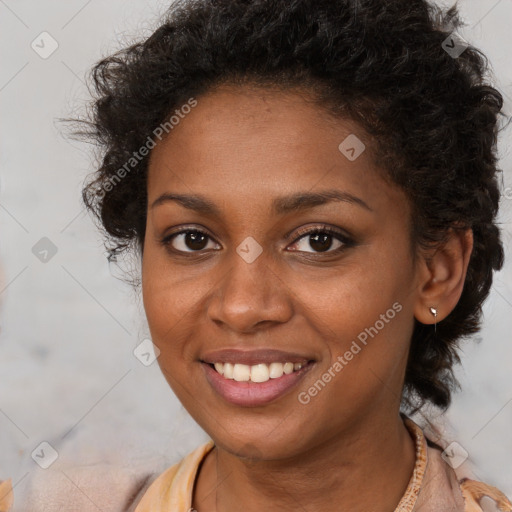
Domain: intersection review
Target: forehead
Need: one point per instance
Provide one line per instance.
(245, 143)
(243, 116)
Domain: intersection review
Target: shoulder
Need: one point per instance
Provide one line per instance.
(6, 497)
(475, 493)
(443, 480)
(172, 490)
(106, 487)
(469, 495)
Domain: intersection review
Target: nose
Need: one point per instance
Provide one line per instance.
(250, 296)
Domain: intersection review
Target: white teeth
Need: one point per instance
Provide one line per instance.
(257, 372)
(228, 370)
(260, 373)
(288, 368)
(241, 372)
(276, 370)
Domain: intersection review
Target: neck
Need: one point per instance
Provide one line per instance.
(367, 468)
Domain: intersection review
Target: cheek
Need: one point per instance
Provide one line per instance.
(165, 301)
(346, 300)
(164, 295)
(365, 353)
(173, 298)
(363, 314)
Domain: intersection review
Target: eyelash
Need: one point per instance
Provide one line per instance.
(343, 238)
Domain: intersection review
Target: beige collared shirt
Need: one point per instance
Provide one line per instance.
(434, 486)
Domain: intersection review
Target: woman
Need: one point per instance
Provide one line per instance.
(311, 187)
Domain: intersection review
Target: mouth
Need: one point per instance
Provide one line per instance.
(255, 378)
(258, 373)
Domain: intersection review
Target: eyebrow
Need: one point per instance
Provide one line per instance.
(281, 205)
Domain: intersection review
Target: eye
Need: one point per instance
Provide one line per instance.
(321, 239)
(188, 240)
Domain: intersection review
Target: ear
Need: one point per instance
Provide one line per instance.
(441, 276)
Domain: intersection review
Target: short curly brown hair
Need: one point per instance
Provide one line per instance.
(433, 117)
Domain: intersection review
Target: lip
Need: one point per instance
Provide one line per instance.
(254, 394)
(256, 356)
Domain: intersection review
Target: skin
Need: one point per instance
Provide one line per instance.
(241, 148)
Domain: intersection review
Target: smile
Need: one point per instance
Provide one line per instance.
(258, 373)
(256, 377)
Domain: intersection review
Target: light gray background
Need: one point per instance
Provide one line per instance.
(68, 329)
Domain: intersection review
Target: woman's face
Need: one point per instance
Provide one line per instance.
(256, 287)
